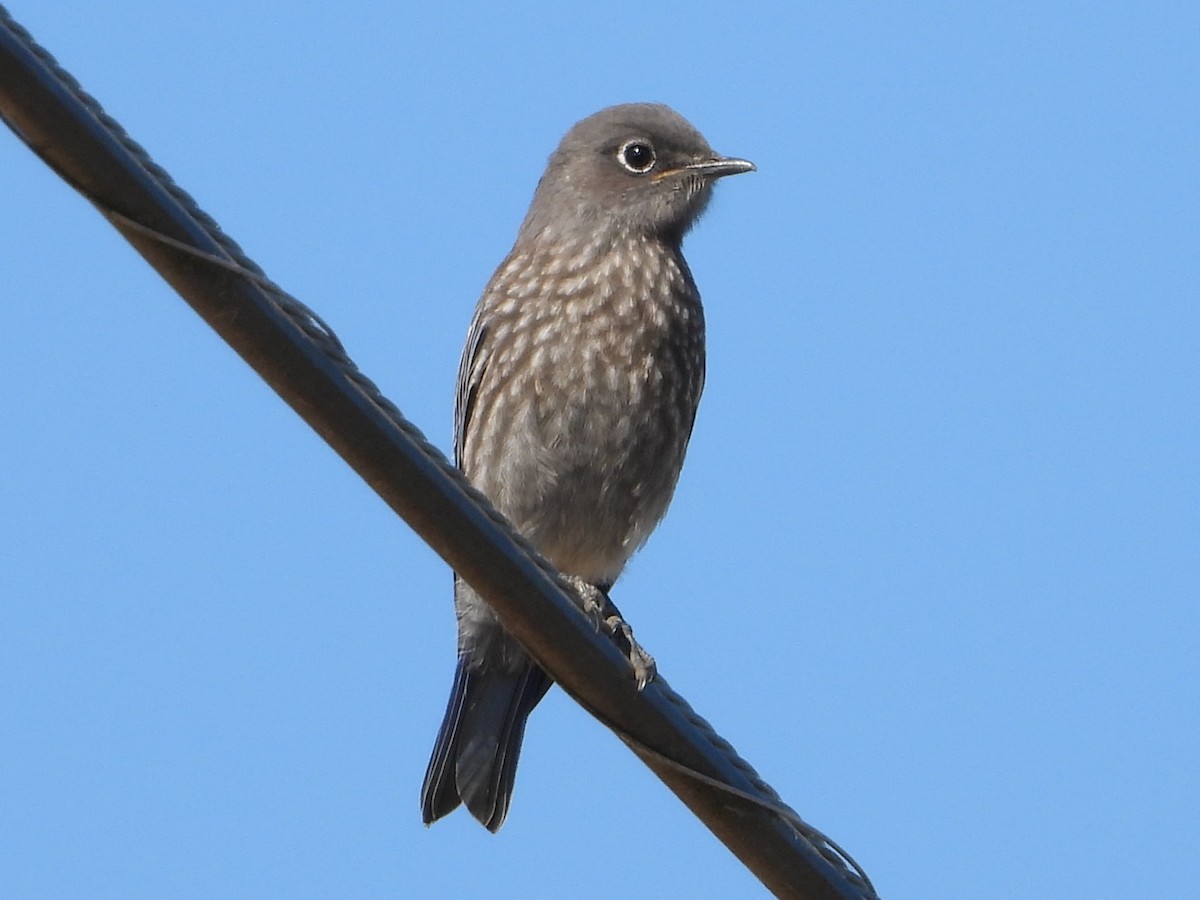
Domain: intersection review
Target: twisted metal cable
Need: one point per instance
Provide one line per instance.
(234, 260)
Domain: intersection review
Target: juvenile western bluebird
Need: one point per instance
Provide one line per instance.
(576, 395)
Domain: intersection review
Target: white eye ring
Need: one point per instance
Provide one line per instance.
(637, 156)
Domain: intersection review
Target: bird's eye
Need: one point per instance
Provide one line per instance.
(637, 156)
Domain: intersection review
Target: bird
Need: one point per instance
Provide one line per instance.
(577, 392)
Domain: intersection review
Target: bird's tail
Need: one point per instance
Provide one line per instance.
(475, 758)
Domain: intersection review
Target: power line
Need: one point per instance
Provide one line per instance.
(302, 360)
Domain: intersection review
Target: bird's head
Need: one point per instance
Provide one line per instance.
(634, 168)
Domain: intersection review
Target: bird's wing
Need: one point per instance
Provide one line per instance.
(470, 375)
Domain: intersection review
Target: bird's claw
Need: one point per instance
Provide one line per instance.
(592, 601)
(644, 668)
(605, 617)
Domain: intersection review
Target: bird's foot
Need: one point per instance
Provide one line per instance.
(644, 668)
(593, 601)
(605, 616)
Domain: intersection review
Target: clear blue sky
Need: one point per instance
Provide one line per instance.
(934, 561)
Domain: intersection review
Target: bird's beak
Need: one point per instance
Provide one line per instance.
(719, 167)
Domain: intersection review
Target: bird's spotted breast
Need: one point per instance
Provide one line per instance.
(594, 377)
